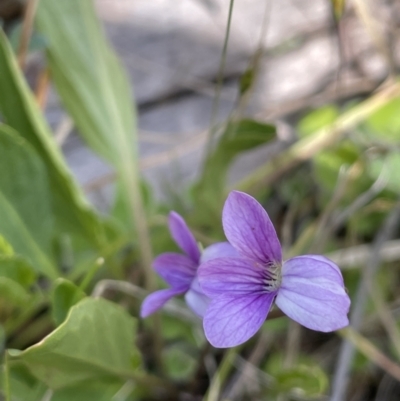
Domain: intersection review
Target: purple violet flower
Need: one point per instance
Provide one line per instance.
(309, 289)
(179, 271)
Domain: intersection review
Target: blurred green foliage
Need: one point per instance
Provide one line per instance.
(238, 137)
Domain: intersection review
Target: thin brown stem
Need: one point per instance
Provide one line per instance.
(42, 88)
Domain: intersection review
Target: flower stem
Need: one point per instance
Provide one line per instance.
(215, 106)
(221, 375)
(131, 181)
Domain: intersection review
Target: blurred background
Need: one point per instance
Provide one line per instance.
(301, 58)
(294, 101)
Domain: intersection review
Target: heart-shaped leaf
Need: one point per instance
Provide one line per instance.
(95, 341)
(26, 218)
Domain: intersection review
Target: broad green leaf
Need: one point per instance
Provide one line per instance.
(92, 85)
(23, 386)
(95, 341)
(88, 77)
(18, 109)
(65, 295)
(208, 193)
(95, 390)
(17, 269)
(26, 218)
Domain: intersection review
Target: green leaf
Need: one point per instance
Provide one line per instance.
(19, 110)
(97, 390)
(17, 269)
(88, 77)
(92, 85)
(96, 341)
(26, 218)
(23, 386)
(107, 389)
(208, 193)
(65, 295)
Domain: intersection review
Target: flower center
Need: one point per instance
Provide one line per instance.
(272, 277)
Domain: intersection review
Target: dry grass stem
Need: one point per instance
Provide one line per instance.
(371, 352)
(385, 316)
(42, 88)
(347, 350)
(63, 130)
(306, 148)
(357, 256)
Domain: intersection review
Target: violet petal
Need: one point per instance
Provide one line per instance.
(235, 276)
(312, 293)
(176, 269)
(157, 299)
(219, 250)
(196, 299)
(183, 237)
(249, 229)
(327, 261)
(231, 320)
